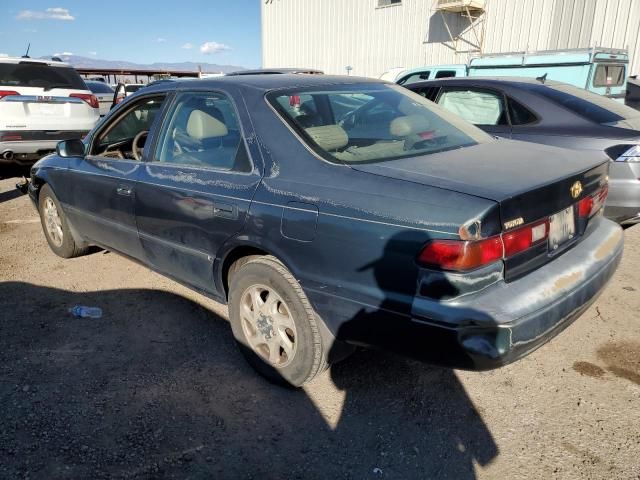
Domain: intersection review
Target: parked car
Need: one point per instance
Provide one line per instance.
(41, 103)
(599, 70)
(553, 113)
(403, 227)
(131, 88)
(104, 93)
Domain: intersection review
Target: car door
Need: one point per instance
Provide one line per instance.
(102, 185)
(485, 108)
(195, 191)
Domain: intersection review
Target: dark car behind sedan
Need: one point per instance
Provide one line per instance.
(553, 113)
(330, 212)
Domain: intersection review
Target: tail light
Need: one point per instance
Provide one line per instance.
(590, 205)
(6, 93)
(91, 99)
(460, 255)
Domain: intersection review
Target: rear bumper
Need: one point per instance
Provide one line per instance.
(505, 321)
(33, 146)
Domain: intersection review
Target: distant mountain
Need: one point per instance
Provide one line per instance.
(88, 62)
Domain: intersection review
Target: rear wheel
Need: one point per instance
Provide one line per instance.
(273, 322)
(56, 227)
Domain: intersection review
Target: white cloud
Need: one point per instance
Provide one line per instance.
(62, 54)
(209, 48)
(187, 46)
(54, 13)
(161, 40)
(4, 55)
(93, 53)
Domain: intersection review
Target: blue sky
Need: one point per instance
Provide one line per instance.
(214, 31)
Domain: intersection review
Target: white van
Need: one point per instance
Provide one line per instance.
(41, 103)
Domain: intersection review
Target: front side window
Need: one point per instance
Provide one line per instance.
(372, 122)
(480, 107)
(124, 137)
(203, 131)
(609, 75)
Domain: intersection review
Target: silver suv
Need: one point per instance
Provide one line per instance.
(41, 103)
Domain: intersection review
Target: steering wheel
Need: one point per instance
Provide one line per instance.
(135, 149)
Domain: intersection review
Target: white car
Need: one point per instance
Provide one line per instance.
(104, 93)
(41, 103)
(131, 88)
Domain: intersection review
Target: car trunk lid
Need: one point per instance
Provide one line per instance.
(530, 183)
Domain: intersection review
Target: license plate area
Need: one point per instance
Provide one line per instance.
(562, 228)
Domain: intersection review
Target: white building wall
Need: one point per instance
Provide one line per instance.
(332, 34)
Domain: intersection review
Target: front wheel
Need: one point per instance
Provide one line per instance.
(56, 227)
(273, 322)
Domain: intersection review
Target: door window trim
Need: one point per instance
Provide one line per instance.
(107, 125)
(170, 106)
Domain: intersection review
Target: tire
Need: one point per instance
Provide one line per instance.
(283, 313)
(56, 226)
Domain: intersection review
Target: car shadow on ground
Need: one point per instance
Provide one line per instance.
(9, 195)
(156, 388)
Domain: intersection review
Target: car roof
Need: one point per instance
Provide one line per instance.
(265, 82)
(267, 71)
(53, 63)
(487, 81)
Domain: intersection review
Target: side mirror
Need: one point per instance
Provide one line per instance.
(70, 148)
(119, 94)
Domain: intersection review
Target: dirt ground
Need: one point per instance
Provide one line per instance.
(156, 388)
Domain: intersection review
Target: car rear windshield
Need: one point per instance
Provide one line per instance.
(40, 75)
(99, 87)
(609, 75)
(372, 122)
(594, 107)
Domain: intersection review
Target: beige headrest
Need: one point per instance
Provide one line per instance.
(329, 137)
(405, 126)
(201, 125)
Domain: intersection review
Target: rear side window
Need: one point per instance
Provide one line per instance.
(594, 107)
(520, 115)
(480, 107)
(40, 75)
(414, 77)
(609, 75)
(203, 131)
(445, 74)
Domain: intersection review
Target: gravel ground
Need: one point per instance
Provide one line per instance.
(157, 389)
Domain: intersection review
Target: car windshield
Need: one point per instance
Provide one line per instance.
(40, 75)
(99, 87)
(372, 122)
(594, 107)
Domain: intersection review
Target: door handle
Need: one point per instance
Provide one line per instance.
(225, 210)
(124, 190)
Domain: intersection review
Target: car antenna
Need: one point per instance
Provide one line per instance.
(26, 55)
(542, 79)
